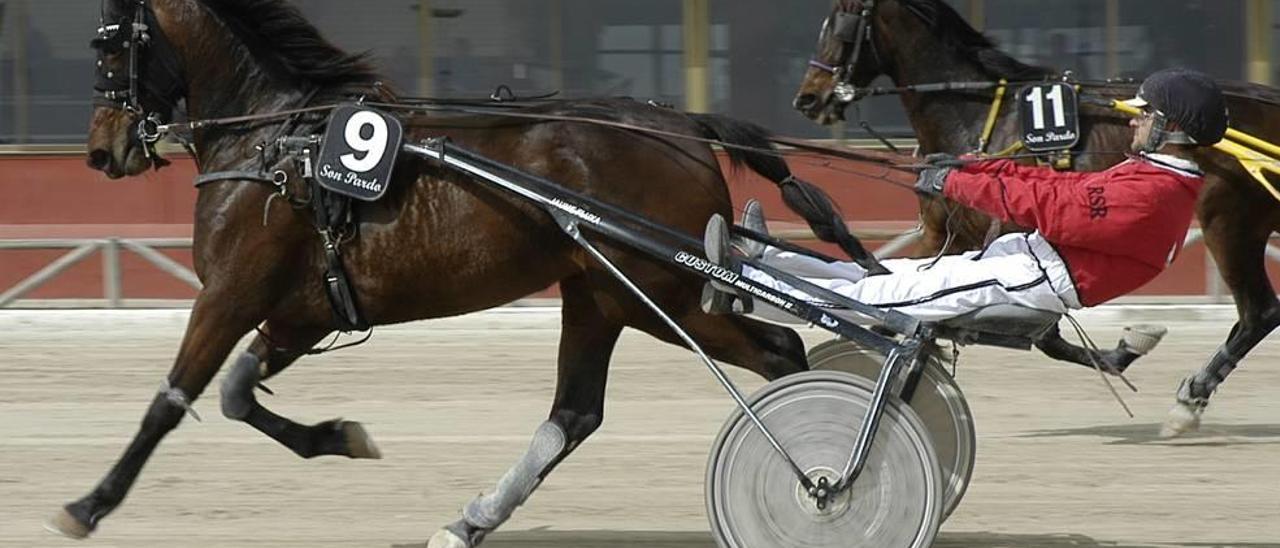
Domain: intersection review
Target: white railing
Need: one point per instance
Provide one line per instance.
(147, 248)
(112, 278)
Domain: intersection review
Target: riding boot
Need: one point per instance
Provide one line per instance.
(753, 220)
(719, 297)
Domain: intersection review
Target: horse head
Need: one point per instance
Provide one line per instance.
(862, 40)
(216, 59)
(138, 87)
(847, 57)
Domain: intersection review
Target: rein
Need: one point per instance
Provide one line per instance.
(980, 85)
(158, 131)
(866, 155)
(891, 160)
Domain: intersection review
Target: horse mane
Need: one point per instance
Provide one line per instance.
(947, 24)
(288, 46)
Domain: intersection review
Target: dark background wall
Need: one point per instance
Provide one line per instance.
(618, 47)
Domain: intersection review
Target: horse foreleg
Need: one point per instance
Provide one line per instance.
(262, 360)
(587, 340)
(215, 326)
(1136, 342)
(1239, 248)
(1195, 390)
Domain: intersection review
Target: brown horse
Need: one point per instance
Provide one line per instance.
(436, 245)
(925, 42)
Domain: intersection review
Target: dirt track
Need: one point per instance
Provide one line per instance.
(452, 403)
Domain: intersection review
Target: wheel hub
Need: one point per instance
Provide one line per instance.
(820, 500)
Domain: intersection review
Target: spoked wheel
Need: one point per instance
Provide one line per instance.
(937, 401)
(754, 499)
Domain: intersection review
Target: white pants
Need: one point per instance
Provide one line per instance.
(1018, 269)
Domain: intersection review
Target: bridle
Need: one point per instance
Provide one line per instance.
(135, 35)
(854, 30)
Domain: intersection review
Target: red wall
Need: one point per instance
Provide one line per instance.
(58, 197)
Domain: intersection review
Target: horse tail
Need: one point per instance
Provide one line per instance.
(751, 145)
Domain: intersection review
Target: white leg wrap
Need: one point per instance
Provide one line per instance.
(490, 510)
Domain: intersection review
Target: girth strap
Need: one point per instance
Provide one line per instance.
(333, 216)
(338, 288)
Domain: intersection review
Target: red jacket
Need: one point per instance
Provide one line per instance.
(1116, 229)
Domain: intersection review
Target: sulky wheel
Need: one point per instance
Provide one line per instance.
(754, 498)
(937, 401)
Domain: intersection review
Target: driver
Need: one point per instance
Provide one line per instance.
(1098, 235)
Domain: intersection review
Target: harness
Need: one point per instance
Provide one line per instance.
(332, 214)
(146, 88)
(853, 30)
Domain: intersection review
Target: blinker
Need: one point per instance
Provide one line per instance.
(846, 26)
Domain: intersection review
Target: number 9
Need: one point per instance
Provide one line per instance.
(373, 148)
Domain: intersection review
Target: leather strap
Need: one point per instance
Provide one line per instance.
(234, 175)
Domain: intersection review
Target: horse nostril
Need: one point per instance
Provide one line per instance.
(805, 101)
(99, 159)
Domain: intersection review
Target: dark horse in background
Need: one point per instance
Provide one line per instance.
(436, 245)
(926, 41)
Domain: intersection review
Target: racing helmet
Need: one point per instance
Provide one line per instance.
(1187, 98)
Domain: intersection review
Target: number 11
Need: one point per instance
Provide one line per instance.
(1037, 98)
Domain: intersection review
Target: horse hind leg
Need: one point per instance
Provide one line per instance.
(771, 351)
(587, 339)
(265, 359)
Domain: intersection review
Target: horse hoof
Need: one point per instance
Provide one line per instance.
(1183, 418)
(359, 444)
(445, 538)
(1141, 339)
(65, 524)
